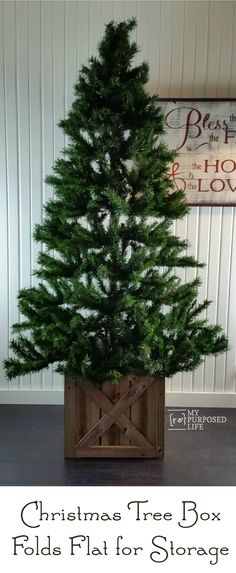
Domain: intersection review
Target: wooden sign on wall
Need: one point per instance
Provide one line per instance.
(204, 134)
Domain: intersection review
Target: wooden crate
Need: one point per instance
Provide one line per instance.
(124, 420)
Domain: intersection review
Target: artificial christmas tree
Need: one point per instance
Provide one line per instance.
(107, 303)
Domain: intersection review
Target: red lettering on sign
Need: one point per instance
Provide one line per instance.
(200, 183)
(230, 186)
(230, 161)
(215, 165)
(192, 120)
(215, 181)
(194, 124)
(228, 136)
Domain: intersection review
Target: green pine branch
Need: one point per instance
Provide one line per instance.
(107, 300)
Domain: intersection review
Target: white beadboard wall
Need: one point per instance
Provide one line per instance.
(191, 50)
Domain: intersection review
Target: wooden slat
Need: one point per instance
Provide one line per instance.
(114, 391)
(151, 419)
(125, 384)
(108, 419)
(83, 420)
(130, 395)
(83, 429)
(145, 414)
(128, 428)
(79, 415)
(70, 418)
(113, 434)
(115, 452)
(93, 415)
(159, 389)
(138, 411)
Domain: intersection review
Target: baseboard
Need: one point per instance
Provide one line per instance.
(201, 399)
(173, 399)
(43, 397)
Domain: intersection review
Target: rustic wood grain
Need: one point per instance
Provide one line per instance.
(113, 434)
(108, 419)
(159, 389)
(70, 419)
(119, 451)
(139, 410)
(132, 406)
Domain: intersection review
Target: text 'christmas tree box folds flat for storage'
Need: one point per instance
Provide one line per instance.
(116, 420)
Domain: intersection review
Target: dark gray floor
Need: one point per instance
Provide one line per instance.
(31, 453)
